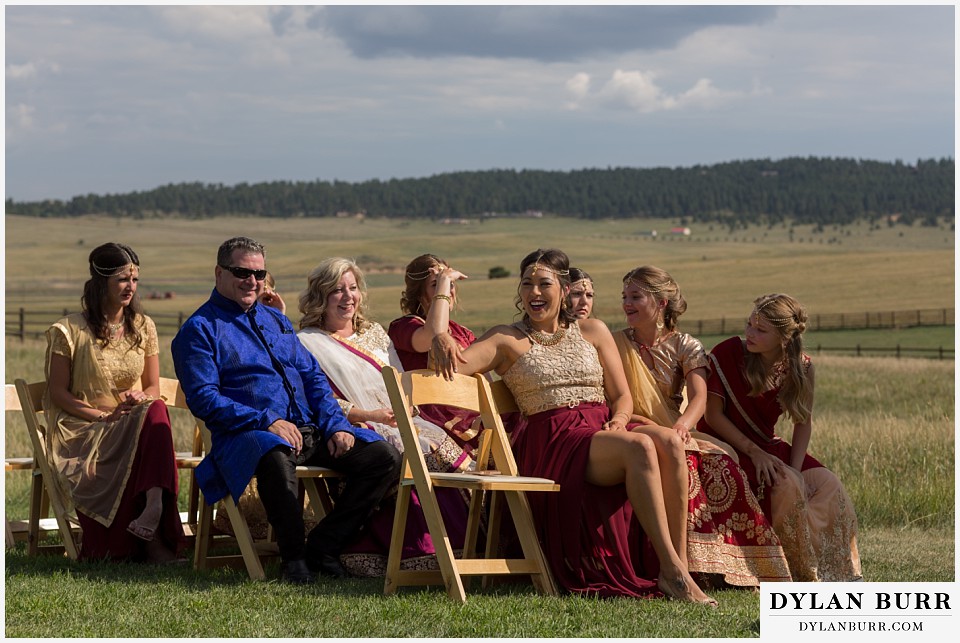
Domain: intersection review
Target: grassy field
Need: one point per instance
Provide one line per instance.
(719, 272)
(886, 426)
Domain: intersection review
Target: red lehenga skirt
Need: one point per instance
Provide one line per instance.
(590, 537)
(153, 466)
(727, 531)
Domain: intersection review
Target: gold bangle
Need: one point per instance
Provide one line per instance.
(446, 298)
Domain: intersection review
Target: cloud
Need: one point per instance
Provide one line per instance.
(30, 70)
(546, 33)
(21, 115)
(638, 91)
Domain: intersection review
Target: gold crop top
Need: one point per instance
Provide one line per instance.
(549, 377)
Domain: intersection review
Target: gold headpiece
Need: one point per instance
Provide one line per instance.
(652, 288)
(539, 266)
(423, 274)
(110, 272)
(779, 322)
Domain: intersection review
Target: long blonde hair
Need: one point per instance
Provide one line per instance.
(322, 281)
(789, 318)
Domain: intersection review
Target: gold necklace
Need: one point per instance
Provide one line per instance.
(542, 338)
(113, 330)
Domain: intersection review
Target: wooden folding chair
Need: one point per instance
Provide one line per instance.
(471, 393)
(172, 395)
(40, 502)
(252, 551)
(19, 529)
(31, 402)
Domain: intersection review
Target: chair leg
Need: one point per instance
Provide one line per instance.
(527, 531)
(201, 549)
(391, 579)
(242, 533)
(319, 497)
(493, 532)
(441, 544)
(37, 496)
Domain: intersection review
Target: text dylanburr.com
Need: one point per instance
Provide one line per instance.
(845, 611)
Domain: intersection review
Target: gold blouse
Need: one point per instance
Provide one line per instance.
(548, 377)
(673, 358)
(124, 363)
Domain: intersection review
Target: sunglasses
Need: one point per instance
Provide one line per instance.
(243, 273)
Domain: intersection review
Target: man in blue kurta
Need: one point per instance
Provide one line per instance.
(269, 408)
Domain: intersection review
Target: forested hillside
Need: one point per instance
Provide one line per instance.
(804, 190)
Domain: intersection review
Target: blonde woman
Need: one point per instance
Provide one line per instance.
(351, 349)
(754, 381)
(715, 519)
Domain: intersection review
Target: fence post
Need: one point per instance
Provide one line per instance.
(898, 351)
(941, 352)
(179, 320)
(858, 350)
(23, 332)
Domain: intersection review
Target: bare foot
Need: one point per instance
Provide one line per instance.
(145, 525)
(682, 588)
(159, 554)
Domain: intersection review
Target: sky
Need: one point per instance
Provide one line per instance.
(112, 99)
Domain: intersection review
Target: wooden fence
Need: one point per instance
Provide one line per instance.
(33, 323)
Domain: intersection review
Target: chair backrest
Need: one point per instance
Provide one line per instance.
(12, 399)
(172, 395)
(503, 398)
(31, 402)
(412, 388)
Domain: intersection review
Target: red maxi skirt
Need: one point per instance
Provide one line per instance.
(153, 466)
(590, 537)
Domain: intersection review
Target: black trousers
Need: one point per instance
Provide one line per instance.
(371, 469)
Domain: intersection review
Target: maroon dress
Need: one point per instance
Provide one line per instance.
(463, 426)
(590, 536)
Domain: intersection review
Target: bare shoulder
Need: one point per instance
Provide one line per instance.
(502, 333)
(594, 330)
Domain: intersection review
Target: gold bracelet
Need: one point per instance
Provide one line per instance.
(446, 298)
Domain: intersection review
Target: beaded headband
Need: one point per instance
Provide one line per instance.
(652, 288)
(586, 282)
(779, 322)
(423, 274)
(110, 272)
(539, 266)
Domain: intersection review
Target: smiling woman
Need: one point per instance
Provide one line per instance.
(352, 350)
(566, 376)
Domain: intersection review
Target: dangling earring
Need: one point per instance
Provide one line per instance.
(660, 324)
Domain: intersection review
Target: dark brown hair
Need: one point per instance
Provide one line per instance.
(557, 261)
(107, 261)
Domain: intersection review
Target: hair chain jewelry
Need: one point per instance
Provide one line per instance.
(652, 288)
(419, 276)
(779, 322)
(539, 266)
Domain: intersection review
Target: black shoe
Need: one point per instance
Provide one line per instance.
(327, 565)
(296, 572)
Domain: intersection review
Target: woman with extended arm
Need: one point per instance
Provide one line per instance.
(568, 381)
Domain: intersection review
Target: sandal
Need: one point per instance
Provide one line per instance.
(143, 533)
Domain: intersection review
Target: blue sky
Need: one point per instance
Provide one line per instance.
(109, 99)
